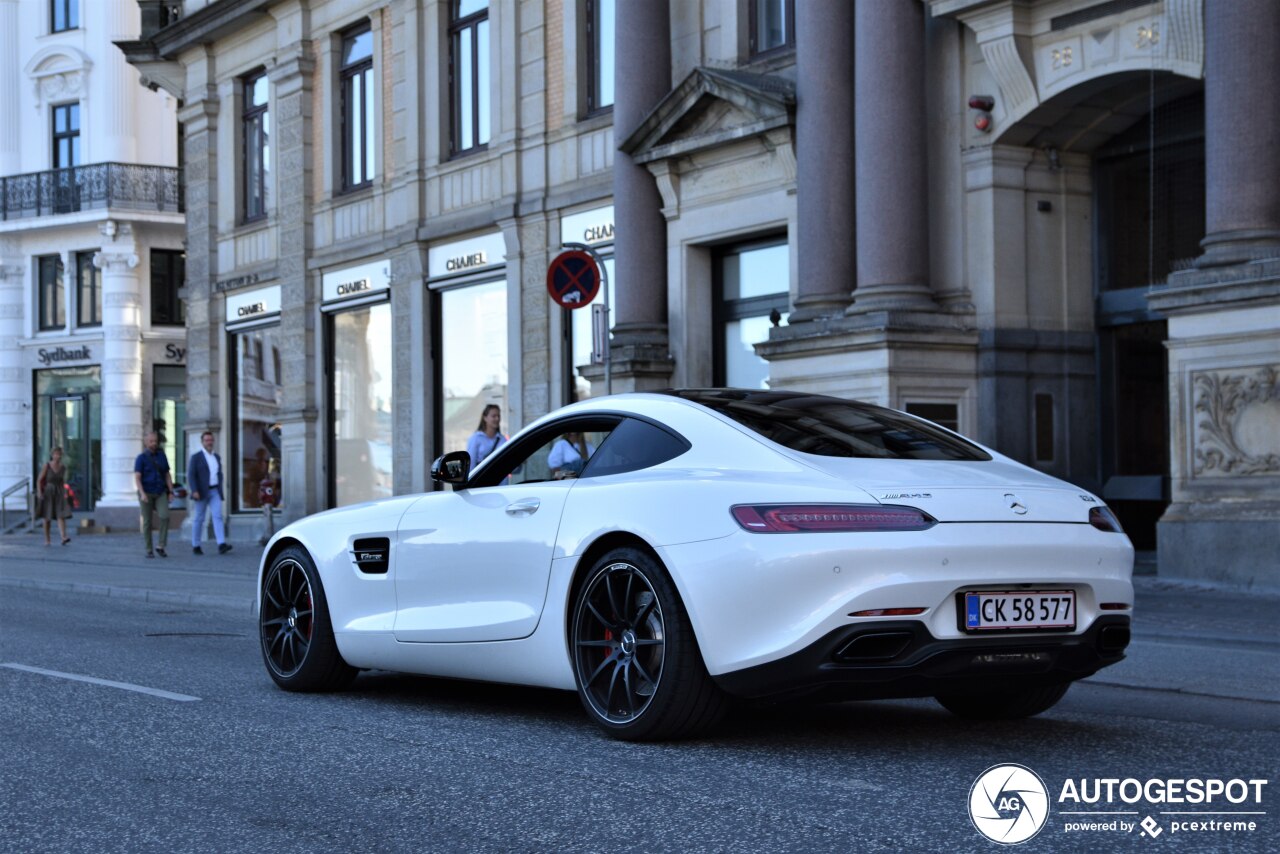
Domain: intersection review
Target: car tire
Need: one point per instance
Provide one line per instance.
(1004, 703)
(298, 645)
(639, 672)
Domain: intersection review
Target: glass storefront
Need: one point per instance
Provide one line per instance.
(473, 359)
(169, 415)
(360, 401)
(257, 403)
(753, 281)
(68, 415)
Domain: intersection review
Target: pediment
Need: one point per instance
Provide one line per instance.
(709, 108)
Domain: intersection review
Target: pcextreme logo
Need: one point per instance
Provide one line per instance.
(1009, 804)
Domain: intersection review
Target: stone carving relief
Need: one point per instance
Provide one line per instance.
(59, 72)
(1237, 422)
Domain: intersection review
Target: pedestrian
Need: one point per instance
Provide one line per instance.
(488, 437)
(269, 498)
(154, 483)
(51, 484)
(205, 479)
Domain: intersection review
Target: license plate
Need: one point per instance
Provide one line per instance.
(992, 610)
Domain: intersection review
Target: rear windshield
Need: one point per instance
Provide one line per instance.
(831, 427)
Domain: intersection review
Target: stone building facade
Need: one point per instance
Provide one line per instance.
(1051, 225)
(92, 340)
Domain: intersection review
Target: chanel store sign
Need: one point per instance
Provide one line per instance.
(466, 256)
(360, 281)
(249, 306)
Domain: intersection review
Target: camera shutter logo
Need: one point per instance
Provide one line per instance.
(1009, 804)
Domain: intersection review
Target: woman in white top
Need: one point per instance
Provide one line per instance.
(569, 455)
(487, 438)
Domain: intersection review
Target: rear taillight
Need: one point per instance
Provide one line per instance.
(794, 518)
(1104, 520)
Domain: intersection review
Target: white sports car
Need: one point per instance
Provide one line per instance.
(713, 544)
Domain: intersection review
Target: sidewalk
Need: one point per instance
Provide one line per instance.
(115, 565)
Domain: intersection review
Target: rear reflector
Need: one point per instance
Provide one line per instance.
(889, 612)
(791, 518)
(1115, 606)
(1104, 520)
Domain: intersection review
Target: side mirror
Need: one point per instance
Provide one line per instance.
(453, 467)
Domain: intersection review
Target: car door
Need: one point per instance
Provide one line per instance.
(474, 563)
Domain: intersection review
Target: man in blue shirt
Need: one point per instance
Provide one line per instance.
(154, 484)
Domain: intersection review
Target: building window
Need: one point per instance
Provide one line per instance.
(52, 305)
(257, 401)
(63, 15)
(88, 291)
(360, 397)
(943, 414)
(772, 25)
(469, 74)
(600, 29)
(358, 122)
(752, 281)
(66, 136)
(257, 148)
(473, 359)
(168, 272)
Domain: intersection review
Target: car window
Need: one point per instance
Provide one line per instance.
(831, 427)
(556, 452)
(635, 445)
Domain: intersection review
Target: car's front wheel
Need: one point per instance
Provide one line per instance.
(1004, 703)
(639, 671)
(298, 646)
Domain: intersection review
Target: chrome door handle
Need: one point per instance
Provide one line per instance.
(524, 507)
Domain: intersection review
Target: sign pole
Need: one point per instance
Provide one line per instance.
(604, 285)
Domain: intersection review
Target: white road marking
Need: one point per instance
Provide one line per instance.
(124, 686)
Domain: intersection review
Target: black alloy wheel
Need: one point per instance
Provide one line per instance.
(640, 674)
(297, 638)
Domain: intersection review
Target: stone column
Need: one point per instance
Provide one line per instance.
(15, 380)
(1242, 126)
(10, 80)
(121, 365)
(890, 150)
(204, 399)
(824, 157)
(113, 83)
(292, 80)
(642, 51)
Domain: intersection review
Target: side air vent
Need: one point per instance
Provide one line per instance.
(372, 554)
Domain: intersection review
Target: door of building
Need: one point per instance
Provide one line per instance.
(70, 420)
(1149, 193)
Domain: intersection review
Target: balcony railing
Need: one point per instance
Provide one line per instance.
(98, 186)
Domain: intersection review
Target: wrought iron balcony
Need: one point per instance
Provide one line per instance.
(98, 186)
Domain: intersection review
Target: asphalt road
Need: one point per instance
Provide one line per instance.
(413, 764)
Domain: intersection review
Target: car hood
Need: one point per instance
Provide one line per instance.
(963, 491)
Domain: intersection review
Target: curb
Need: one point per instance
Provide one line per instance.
(138, 594)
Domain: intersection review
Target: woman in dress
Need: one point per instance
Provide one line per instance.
(51, 484)
(487, 438)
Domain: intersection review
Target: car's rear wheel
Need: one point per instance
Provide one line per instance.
(639, 671)
(297, 637)
(1004, 703)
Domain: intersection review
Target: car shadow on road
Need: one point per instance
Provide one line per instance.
(860, 725)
